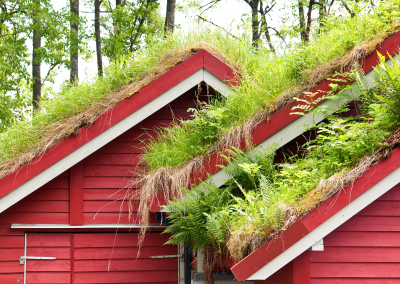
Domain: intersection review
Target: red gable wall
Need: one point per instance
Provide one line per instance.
(97, 181)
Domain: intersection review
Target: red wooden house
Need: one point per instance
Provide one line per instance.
(63, 216)
(58, 221)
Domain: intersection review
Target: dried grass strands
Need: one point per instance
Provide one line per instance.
(54, 133)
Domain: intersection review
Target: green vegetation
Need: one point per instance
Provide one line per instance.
(267, 197)
(264, 78)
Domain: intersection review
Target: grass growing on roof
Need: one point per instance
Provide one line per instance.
(269, 81)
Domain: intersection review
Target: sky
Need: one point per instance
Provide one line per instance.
(227, 14)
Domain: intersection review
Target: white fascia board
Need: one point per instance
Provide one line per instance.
(295, 128)
(110, 134)
(328, 226)
(91, 226)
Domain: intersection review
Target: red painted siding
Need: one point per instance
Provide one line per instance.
(108, 171)
(365, 249)
(92, 193)
(111, 258)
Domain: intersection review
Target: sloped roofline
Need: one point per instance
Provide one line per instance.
(200, 67)
(282, 126)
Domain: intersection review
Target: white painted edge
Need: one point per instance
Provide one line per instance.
(91, 226)
(110, 134)
(319, 246)
(295, 129)
(328, 226)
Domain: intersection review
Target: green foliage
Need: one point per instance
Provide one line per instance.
(200, 219)
(247, 169)
(129, 26)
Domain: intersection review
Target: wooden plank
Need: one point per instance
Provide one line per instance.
(123, 253)
(48, 277)
(40, 206)
(113, 159)
(363, 239)
(125, 265)
(58, 182)
(5, 230)
(108, 194)
(49, 194)
(109, 206)
(356, 254)
(153, 122)
(112, 171)
(11, 267)
(356, 270)
(11, 278)
(136, 136)
(113, 218)
(126, 277)
(118, 240)
(47, 265)
(124, 147)
(9, 254)
(76, 195)
(106, 182)
(35, 218)
(381, 208)
(11, 242)
(371, 224)
(391, 195)
(59, 252)
(48, 240)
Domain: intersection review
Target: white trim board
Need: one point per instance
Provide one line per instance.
(294, 129)
(328, 226)
(111, 133)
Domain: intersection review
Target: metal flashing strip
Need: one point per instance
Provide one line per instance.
(91, 226)
(111, 133)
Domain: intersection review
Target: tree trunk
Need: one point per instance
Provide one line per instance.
(97, 4)
(254, 22)
(37, 80)
(308, 28)
(74, 40)
(266, 31)
(302, 22)
(352, 14)
(170, 17)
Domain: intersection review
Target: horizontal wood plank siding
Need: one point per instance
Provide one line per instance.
(109, 172)
(49, 204)
(365, 249)
(112, 258)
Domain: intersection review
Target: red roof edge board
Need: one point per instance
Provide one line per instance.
(283, 117)
(304, 226)
(107, 120)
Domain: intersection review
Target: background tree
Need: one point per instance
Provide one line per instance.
(170, 17)
(36, 40)
(74, 6)
(97, 4)
(128, 26)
